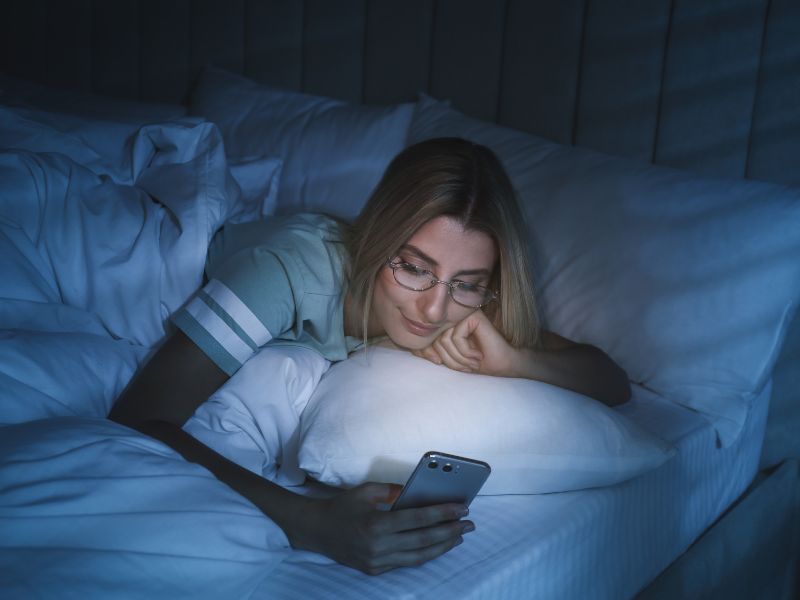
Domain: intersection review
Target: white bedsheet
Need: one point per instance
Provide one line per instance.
(601, 543)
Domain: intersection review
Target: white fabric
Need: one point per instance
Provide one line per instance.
(238, 310)
(111, 146)
(219, 330)
(254, 418)
(110, 248)
(92, 268)
(602, 543)
(92, 509)
(333, 153)
(689, 283)
(373, 416)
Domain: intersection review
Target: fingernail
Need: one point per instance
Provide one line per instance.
(468, 527)
(462, 512)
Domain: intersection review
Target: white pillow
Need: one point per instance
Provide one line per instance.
(253, 419)
(372, 417)
(688, 282)
(333, 153)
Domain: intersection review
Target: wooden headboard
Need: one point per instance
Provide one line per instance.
(707, 85)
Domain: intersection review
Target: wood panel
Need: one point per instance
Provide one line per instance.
(333, 48)
(115, 48)
(775, 139)
(398, 48)
(165, 50)
(217, 35)
(541, 67)
(621, 68)
(710, 79)
(69, 44)
(273, 50)
(467, 54)
(24, 39)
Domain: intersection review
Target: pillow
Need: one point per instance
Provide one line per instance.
(688, 282)
(253, 419)
(333, 153)
(373, 416)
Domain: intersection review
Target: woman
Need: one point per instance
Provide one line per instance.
(436, 262)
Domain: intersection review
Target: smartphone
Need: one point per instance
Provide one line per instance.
(439, 478)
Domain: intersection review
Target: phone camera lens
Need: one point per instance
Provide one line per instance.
(433, 464)
(447, 468)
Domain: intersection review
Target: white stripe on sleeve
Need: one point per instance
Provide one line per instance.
(238, 311)
(219, 330)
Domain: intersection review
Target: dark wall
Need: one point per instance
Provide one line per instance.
(709, 85)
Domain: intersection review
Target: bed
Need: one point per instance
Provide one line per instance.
(660, 137)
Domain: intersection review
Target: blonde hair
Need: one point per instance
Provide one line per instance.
(455, 178)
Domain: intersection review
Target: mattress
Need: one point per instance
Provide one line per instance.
(600, 543)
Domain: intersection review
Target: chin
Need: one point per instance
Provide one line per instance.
(409, 341)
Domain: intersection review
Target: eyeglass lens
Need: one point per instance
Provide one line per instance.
(421, 280)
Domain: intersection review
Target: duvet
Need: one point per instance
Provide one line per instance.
(97, 249)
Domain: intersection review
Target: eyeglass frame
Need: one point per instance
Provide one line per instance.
(436, 281)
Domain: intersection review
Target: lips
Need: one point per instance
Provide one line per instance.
(418, 328)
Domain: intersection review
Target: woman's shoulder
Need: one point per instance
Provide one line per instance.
(306, 245)
(303, 232)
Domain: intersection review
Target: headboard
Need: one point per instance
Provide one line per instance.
(707, 85)
(711, 85)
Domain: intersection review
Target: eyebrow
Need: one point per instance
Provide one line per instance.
(433, 263)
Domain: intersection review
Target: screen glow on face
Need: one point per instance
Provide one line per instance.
(413, 319)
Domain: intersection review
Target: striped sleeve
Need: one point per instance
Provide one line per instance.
(247, 303)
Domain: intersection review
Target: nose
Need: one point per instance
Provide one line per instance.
(432, 303)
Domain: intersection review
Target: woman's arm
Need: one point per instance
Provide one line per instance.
(475, 346)
(348, 527)
(581, 368)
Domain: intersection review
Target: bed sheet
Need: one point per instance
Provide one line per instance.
(601, 543)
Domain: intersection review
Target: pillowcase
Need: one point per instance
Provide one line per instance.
(688, 282)
(373, 416)
(254, 418)
(333, 153)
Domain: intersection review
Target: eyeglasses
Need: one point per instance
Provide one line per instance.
(466, 294)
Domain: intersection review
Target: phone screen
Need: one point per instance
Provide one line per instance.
(440, 478)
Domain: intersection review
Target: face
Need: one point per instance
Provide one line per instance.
(413, 319)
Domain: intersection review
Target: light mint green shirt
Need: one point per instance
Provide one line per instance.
(275, 281)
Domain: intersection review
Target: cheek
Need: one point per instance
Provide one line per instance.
(383, 296)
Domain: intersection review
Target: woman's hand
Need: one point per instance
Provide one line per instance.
(473, 345)
(350, 529)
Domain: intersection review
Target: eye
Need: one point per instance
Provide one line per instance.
(469, 287)
(415, 270)
(411, 267)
